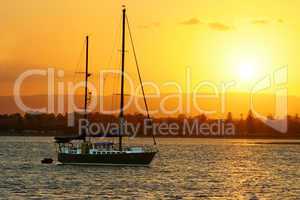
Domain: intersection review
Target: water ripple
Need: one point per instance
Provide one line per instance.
(184, 169)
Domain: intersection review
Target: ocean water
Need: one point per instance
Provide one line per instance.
(184, 169)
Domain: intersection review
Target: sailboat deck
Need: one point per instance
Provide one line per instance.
(96, 149)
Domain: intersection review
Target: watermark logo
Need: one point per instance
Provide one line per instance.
(147, 127)
(277, 80)
(185, 103)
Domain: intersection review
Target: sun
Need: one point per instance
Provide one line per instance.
(249, 65)
(246, 71)
(247, 68)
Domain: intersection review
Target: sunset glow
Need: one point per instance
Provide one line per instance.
(218, 41)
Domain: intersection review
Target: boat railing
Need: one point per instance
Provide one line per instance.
(145, 148)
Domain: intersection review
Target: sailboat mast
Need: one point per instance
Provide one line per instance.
(86, 79)
(121, 132)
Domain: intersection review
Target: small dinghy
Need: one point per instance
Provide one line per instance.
(47, 161)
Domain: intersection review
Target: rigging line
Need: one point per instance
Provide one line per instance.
(140, 78)
(109, 64)
(79, 62)
(114, 43)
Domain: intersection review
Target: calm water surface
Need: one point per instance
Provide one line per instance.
(184, 169)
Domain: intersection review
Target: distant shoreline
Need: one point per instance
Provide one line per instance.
(54, 134)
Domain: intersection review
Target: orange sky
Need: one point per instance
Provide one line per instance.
(219, 40)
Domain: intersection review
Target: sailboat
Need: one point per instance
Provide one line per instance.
(81, 150)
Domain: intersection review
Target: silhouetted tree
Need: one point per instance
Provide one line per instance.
(202, 118)
(229, 117)
(250, 123)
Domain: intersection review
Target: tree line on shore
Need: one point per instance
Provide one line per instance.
(57, 124)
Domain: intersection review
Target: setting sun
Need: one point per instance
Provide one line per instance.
(246, 71)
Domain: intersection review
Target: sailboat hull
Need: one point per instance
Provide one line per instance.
(124, 159)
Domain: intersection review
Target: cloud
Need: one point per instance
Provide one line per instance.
(156, 24)
(219, 26)
(266, 22)
(152, 25)
(143, 26)
(280, 21)
(191, 21)
(260, 22)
